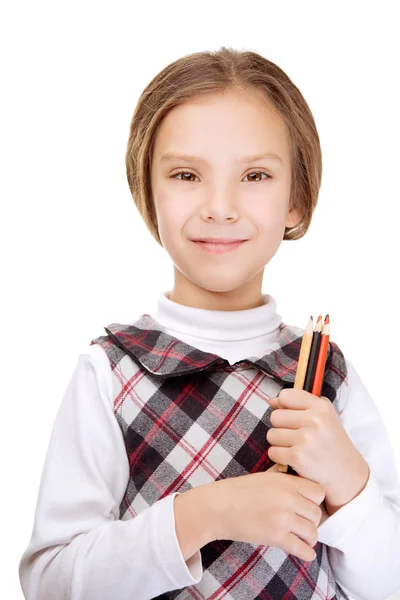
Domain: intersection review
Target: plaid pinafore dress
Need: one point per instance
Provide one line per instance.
(188, 417)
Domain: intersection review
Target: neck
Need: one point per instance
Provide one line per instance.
(244, 297)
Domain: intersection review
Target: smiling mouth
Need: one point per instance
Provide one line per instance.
(218, 247)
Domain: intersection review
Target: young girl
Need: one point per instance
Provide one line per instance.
(161, 477)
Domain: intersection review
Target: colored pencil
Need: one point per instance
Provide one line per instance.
(322, 355)
(302, 366)
(303, 356)
(312, 361)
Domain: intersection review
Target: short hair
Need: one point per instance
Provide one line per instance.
(217, 72)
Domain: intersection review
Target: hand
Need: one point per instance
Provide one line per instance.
(308, 435)
(267, 508)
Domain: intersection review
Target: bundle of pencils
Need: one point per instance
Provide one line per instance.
(311, 365)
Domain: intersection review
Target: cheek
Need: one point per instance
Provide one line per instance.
(171, 218)
(270, 231)
(270, 219)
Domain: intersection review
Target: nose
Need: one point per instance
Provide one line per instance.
(219, 207)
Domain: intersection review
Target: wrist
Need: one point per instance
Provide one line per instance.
(196, 518)
(352, 484)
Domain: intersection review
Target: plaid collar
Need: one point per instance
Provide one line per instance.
(164, 355)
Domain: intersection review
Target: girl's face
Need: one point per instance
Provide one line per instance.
(221, 192)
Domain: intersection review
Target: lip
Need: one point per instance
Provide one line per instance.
(218, 240)
(219, 247)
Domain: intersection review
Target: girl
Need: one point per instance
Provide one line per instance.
(160, 477)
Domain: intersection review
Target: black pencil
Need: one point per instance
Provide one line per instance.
(312, 361)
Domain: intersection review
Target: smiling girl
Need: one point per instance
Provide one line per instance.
(159, 479)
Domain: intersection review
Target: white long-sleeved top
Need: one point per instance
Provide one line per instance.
(80, 549)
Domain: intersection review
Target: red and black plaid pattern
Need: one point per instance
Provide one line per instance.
(188, 417)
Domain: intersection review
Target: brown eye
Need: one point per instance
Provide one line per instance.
(184, 173)
(189, 174)
(258, 173)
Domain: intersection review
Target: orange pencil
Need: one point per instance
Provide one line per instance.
(323, 352)
(302, 366)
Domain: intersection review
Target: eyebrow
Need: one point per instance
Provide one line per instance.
(244, 159)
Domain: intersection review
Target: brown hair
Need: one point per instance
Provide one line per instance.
(216, 72)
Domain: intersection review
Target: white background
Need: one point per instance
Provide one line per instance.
(75, 255)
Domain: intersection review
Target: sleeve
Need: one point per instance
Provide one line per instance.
(79, 548)
(364, 535)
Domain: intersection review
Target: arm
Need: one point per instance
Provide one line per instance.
(79, 548)
(196, 518)
(363, 535)
(352, 485)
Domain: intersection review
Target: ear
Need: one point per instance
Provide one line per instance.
(293, 218)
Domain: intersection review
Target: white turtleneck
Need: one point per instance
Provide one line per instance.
(233, 335)
(80, 549)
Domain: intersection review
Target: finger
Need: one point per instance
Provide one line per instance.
(296, 398)
(279, 455)
(281, 437)
(288, 418)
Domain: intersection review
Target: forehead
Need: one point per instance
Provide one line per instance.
(241, 123)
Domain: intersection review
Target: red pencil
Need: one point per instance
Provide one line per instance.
(323, 352)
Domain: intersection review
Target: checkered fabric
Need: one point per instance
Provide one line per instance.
(188, 417)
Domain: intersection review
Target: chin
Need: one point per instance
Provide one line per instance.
(219, 284)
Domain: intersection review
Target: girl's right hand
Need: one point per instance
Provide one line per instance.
(269, 508)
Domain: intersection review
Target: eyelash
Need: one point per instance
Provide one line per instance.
(190, 173)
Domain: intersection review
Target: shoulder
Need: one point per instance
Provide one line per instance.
(335, 357)
(113, 366)
(96, 357)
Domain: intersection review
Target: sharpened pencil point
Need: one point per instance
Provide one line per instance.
(310, 326)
